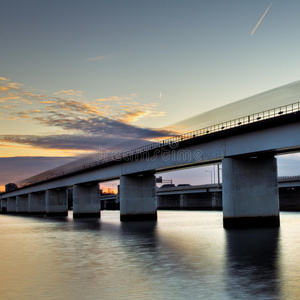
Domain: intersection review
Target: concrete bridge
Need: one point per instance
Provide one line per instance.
(245, 146)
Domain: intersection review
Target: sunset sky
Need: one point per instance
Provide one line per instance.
(79, 75)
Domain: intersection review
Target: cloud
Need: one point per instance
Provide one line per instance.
(133, 116)
(130, 116)
(6, 99)
(4, 88)
(115, 98)
(113, 133)
(9, 86)
(83, 125)
(58, 111)
(67, 105)
(101, 57)
(63, 141)
(69, 93)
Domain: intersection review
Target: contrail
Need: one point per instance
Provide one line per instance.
(261, 19)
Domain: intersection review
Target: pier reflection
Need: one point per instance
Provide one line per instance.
(252, 263)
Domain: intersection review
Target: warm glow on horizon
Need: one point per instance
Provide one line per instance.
(105, 189)
(109, 190)
(16, 150)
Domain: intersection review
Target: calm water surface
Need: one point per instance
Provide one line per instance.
(184, 255)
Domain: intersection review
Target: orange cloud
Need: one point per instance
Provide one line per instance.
(114, 98)
(54, 110)
(82, 125)
(69, 93)
(4, 88)
(5, 99)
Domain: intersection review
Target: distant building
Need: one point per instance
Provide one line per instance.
(10, 187)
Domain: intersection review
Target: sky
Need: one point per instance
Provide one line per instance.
(76, 76)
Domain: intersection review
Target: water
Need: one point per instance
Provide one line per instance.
(184, 255)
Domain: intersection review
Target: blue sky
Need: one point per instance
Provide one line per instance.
(120, 66)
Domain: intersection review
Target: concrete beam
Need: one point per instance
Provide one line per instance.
(138, 198)
(37, 203)
(86, 200)
(22, 204)
(250, 192)
(56, 202)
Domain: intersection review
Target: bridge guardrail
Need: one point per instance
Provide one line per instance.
(252, 118)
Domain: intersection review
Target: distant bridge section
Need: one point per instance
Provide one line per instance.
(209, 196)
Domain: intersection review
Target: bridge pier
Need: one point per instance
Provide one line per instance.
(22, 204)
(250, 192)
(56, 202)
(11, 205)
(3, 206)
(183, 198)
(37, 203)
(86, 200)
(137, 198)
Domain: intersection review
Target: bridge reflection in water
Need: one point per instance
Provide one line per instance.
(252, 263)
(186, 255)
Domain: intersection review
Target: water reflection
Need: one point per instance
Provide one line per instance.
(143, 228)
(184, 255)
(252, 263)
(142, 234)
(176, 263)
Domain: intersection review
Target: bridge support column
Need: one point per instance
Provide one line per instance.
(11, 205)
(250, 192)
(183, 200)
(3, 206)
(137, 198)
(37, 203)
(22, 204)
(56, 202)
(86, 201)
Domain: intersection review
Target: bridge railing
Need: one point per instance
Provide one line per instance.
(289, 178)
(252, 118)
(267, 114)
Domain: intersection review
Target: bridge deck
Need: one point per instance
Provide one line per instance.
(267, 119)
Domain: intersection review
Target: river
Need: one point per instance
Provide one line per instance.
(184, 255)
